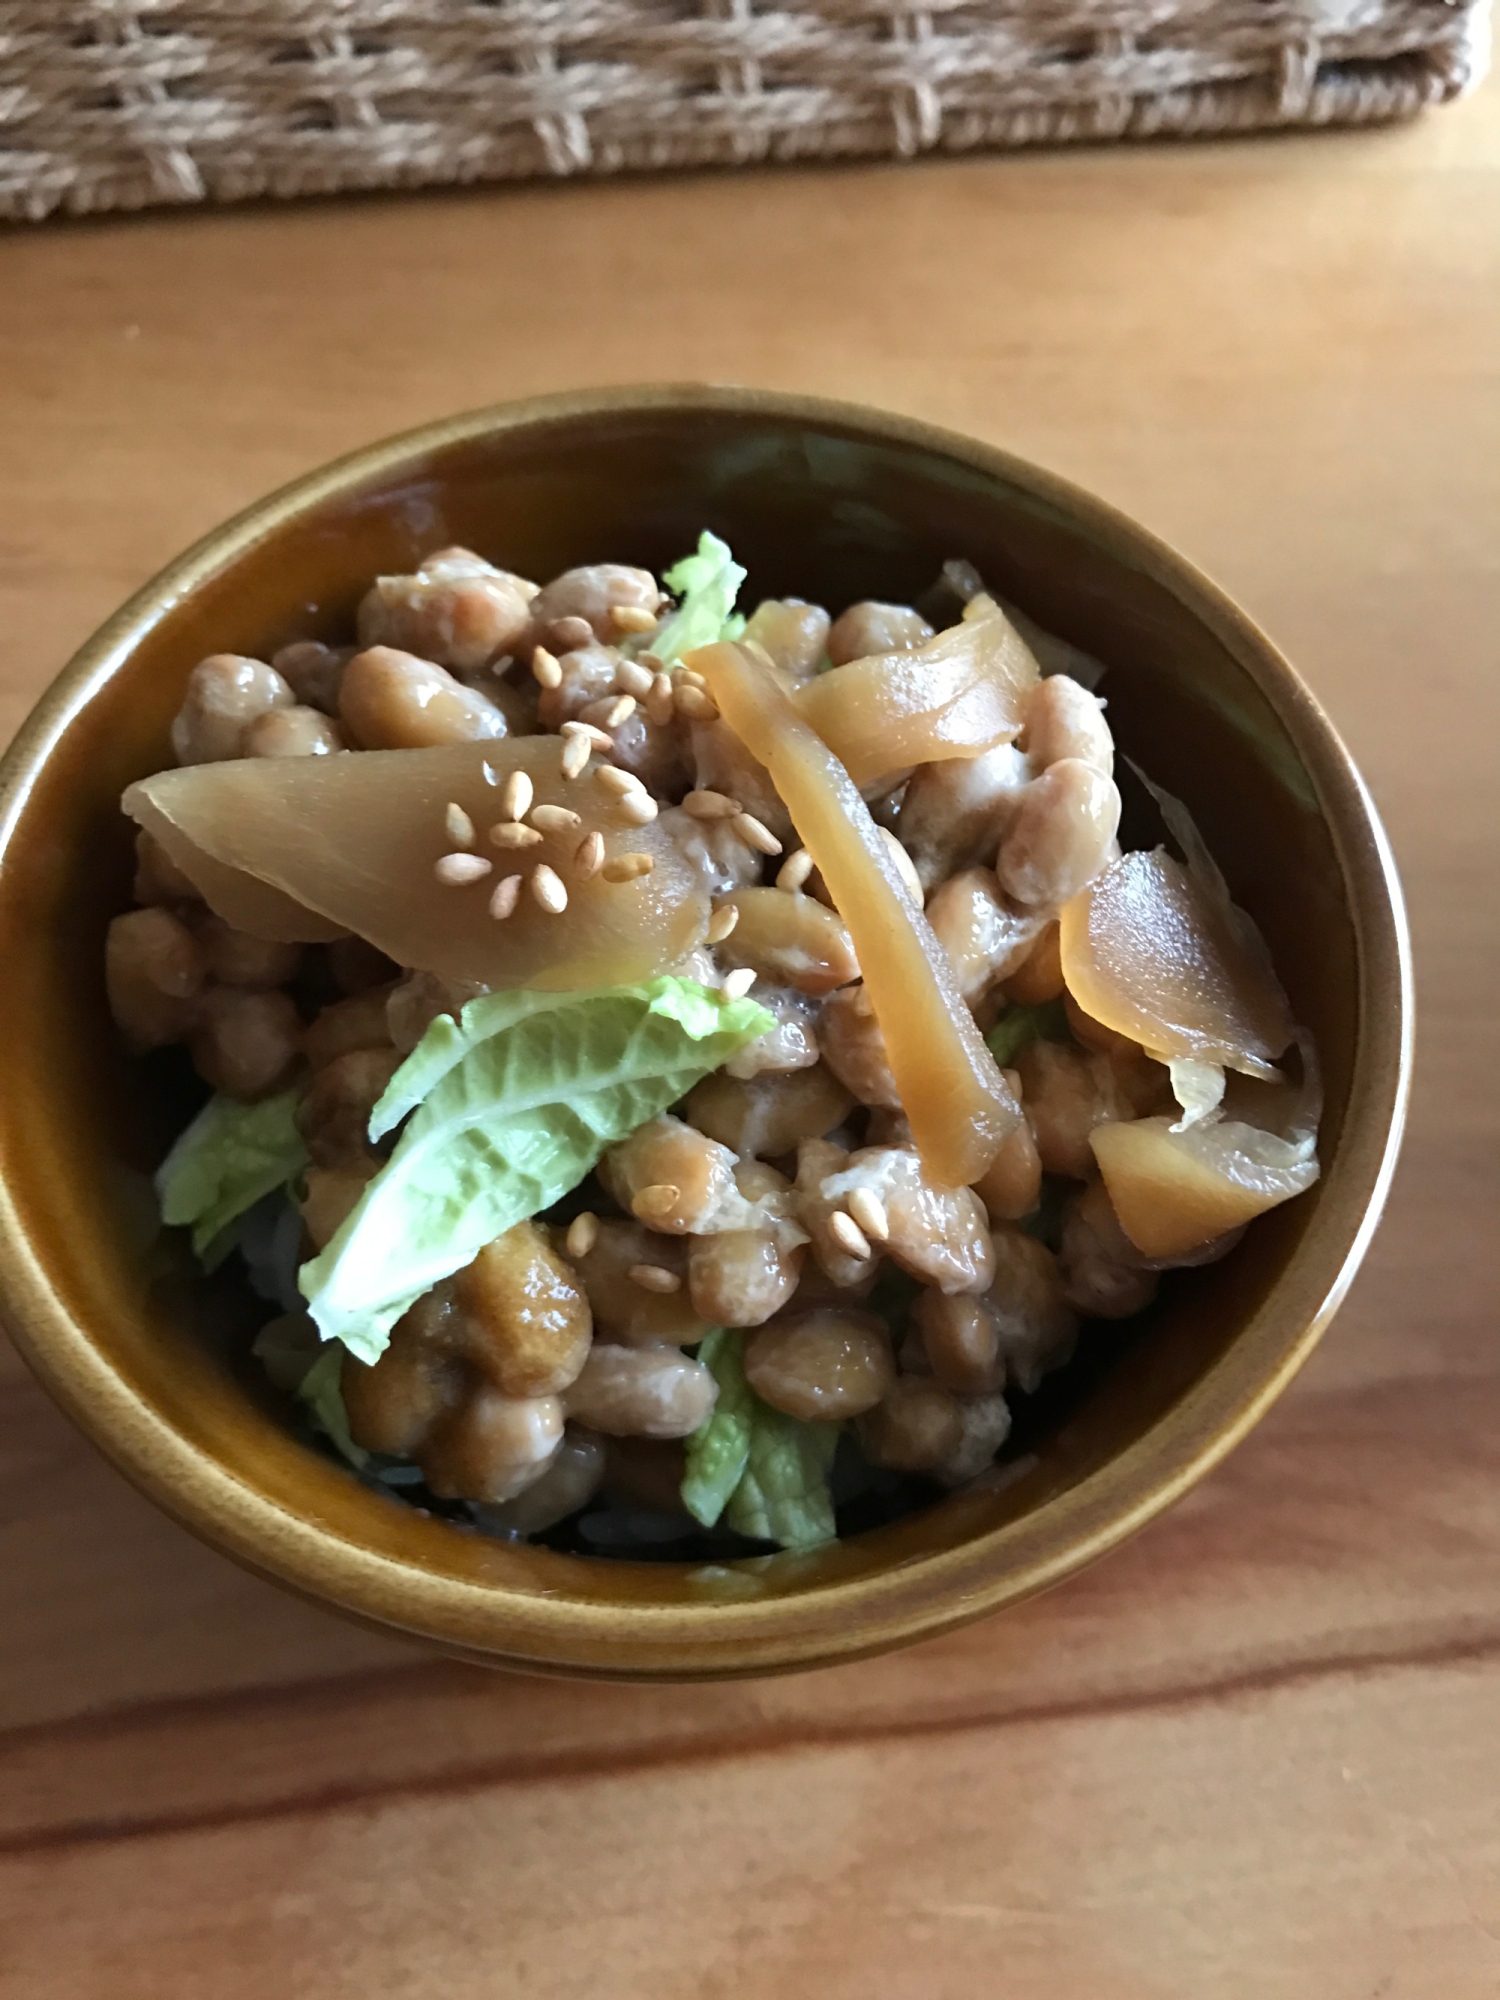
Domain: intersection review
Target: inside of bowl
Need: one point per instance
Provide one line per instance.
(817, 508)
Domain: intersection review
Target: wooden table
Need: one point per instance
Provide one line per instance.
(1255, 1755)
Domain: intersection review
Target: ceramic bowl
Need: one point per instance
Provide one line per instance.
(820, 500)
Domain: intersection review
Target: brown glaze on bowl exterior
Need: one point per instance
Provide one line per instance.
(819, 499)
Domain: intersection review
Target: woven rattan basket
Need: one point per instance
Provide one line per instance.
(121, 103)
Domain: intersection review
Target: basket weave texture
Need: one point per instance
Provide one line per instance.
(122, 103)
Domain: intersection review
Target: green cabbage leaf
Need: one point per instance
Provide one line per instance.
(224, 1162)
(1018, 1026)
(509, 1107)
(763, 1472)
(705, 585)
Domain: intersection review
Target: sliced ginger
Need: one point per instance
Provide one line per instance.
(1175, 1191)
(960, 1107)
(309, 847)
(956, 696)
(1148, 952)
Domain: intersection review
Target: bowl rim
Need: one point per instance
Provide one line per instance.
(925, 1595)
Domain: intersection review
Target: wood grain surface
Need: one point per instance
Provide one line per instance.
(1255, 1755)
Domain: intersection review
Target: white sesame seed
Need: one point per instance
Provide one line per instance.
(547, 887)
(847, 1234)
(660, 705)
(510, 835)
(710, 805)
(868, 1212)
(695, 704)
(555, 819)
(633, 618)
(507, 895)
(637, 808)
(613, 779)
(755, 834)
(628, 867)
(596, 737)
(570, 633)
(544, 665)
(487, 772)
(516, 795)
(576, 751)
(654, 1278)
(609, 711)
(735, 985)
(905, 867)
(583, 1234)
(457, 825)
(657, 1202)
(454, 870)
(633, 678)
(794, 871)
(722, 922)
(589, 858)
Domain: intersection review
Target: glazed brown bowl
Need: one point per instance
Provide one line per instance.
(820, 500)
